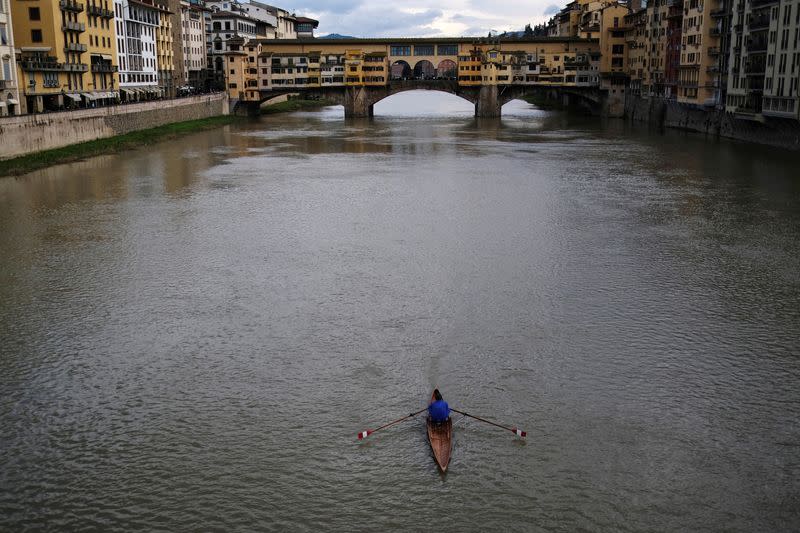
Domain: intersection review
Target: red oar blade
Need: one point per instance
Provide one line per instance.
(520, 433)
(364, 434)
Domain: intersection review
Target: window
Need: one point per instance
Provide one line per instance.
(447, 49)
(423, 50)
(618, 49)
(36, 36)
(400, 51)
(33, 13)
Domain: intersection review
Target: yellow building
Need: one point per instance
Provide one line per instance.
(698, 81)
(165, 58)
(469, 67)
(67, 53)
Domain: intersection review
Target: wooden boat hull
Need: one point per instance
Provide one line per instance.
(441, 438)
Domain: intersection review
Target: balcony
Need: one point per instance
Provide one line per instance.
(78, 27)
(713, 51)
(716, 30)
(687, 84)
(104, 67)
(70, 5)
(51, 84)
(755, 70)
(76, 67)
(48, 64)
(98, 11)
(6, 84)
(718, 13)
(760, 3)
(712, 69)
(757, 47)
(758, 23)
(75, 47)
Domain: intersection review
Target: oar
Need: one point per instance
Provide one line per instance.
(516, 431)
(366, 433)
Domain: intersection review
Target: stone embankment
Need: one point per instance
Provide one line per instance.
(28, 134)
(778, 132)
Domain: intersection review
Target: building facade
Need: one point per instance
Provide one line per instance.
(10, 103)
(66, 54)
(193, 32)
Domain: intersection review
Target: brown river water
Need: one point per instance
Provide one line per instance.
(192, 333)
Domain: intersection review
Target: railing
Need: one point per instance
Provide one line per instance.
(755, 70)
(75, 47)
(42, 65)
(716, 30)
(713, 51)
(70, 5)
(758, 3)
(757, 47)
(98, 11)
(717, 13)
(4, 84)
(757, 23)
(73, 26)
(104, 67)
(712, 69)
(51, 84)
(76, 67)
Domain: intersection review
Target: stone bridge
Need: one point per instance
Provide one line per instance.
(488, 100)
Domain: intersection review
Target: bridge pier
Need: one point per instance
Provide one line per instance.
(357, 103)
(488, 103)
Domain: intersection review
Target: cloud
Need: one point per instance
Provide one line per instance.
(552, 9)
(415, 18)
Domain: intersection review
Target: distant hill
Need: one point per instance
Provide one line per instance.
(336, 36)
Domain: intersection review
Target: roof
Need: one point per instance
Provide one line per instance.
(428, 40)
(306, 20)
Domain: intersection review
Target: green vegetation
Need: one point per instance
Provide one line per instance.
(295, 104)
(76, 152)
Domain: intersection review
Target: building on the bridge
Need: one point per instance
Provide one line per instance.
(66, 54)
(377, 62)
(765, 60)
(9, 89)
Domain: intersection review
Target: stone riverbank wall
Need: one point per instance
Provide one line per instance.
(26, 134)
(779, 132)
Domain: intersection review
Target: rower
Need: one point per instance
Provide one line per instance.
(438, 410)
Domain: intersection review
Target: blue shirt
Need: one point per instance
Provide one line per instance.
(439, 411)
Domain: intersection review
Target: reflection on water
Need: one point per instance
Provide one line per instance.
(191, 333)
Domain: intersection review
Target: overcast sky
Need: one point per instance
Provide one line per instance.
(387, 18)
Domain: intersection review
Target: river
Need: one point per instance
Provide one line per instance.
(192, 333)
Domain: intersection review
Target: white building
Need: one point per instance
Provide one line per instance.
(137, 23)
(9, 92)
(193, 30)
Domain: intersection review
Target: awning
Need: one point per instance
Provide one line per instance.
(89, 96)
(113, 94)
(2, 104)
(11, 101)
(73, 96)
(106, 57)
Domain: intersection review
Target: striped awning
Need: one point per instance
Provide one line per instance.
(75, 97)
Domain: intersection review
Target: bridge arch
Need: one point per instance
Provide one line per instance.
(447, 69)
(401, 70)
(424, 70)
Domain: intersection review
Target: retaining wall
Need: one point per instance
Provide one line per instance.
(33, 133)
(779, 132)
